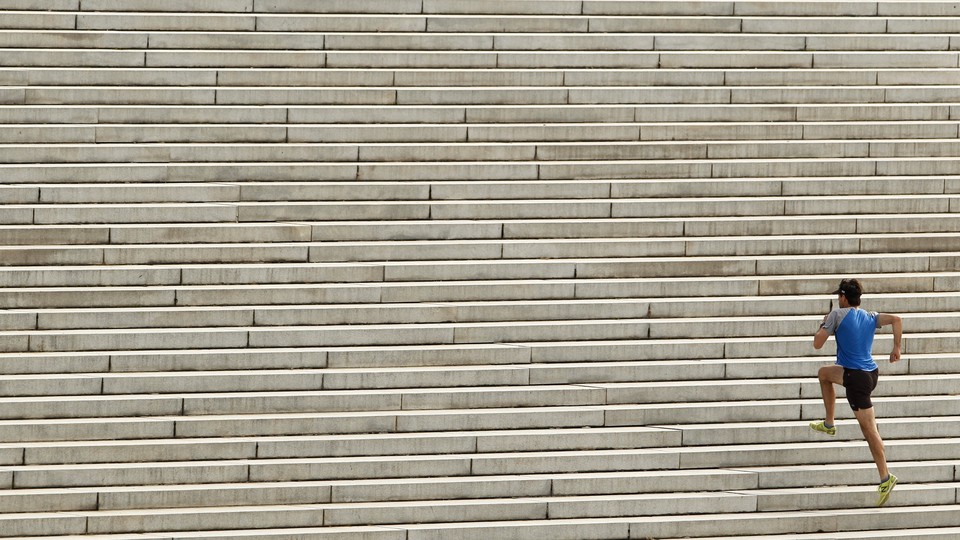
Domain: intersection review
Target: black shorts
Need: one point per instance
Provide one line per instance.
(859, 385)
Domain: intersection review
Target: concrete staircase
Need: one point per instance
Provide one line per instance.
(499, 269)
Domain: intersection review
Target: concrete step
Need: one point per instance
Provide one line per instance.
(668, 414)
(464, 364)
(621, 375)
(89, 255)
(492, 464)
(516, 268)
(307, 314)
(156, 383)
(730, 390)
(28, 20)
(499, 170)
(322, 336)
(200, 295)
(398, 421)
(231, 394)
(454, 171)
(106, 5)
(487, 170)
(404, 133)
(22, 39)
(199, 360)
(573, 529)
(583, 228)
(576, 505)
(616, 132)
(593, 372)
(920, 305)
(793, 522)
(557, 484)
(615, 207)
(661, 247)
(93, 75)
(777, 432)
(517, 95)
(481, 40)
(51, 430)
(548, 151)
(412, 282)
(897, 520)
(912, 534)
(92, 114)
(456, 209)
(143, 275)
(640, 278)
(154, 234)
(137, 193)
(443, 250)
(563, 484)
(925, 309)
(757, 347)
(187, 192)
(161, 450)
(461, 190)
(474, 355)
(447, 114)
(455, 95)
(556, 7)
(528, 508)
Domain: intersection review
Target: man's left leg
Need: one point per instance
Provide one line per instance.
(828, 376)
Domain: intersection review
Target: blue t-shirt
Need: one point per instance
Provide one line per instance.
(854, 329)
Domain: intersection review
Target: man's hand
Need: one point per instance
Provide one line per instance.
(895, 354)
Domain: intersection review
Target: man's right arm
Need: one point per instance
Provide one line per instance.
(885, 319)
(820, 338)
(827, 327)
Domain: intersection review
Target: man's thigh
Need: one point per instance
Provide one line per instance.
(832, 374)
(859, 385)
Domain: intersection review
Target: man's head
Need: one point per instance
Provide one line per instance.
(849, 290)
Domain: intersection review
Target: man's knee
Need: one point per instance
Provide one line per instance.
(829, 374)
(866, 418)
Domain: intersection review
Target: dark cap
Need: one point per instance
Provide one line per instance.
(850, 288)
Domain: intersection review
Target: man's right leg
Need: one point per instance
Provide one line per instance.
(868, 426)
(829, 376)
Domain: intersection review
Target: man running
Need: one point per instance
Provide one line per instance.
(856, 370)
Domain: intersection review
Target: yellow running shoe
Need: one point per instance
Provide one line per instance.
(819, 426)
(885, 489)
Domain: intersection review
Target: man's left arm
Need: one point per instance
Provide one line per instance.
(886, 319)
